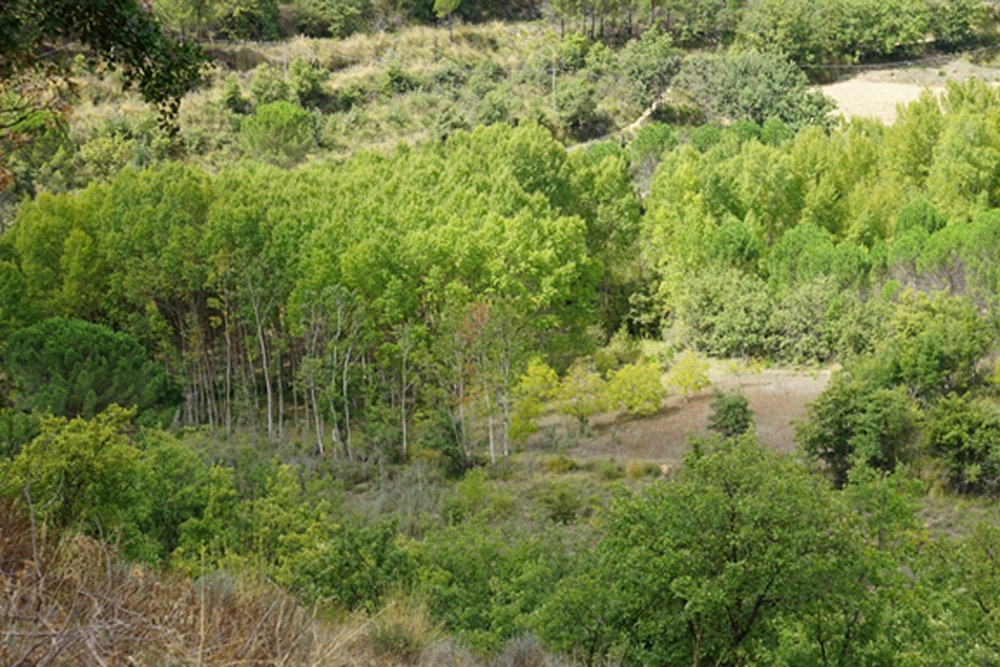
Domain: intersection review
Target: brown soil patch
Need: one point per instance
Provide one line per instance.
(776, 397)
(877, 93)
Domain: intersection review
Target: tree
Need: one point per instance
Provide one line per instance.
(731, 417)
(857, 420)
(73, 368)
(536, 387)
(81, 473)
(637, 387)
(713, 568)
(581, 393)
(688, 373)
(752, 86)
(278, 132)
(120, 33)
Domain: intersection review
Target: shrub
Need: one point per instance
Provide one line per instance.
(637, 388)
(965, 433)
(581, 393)
(726, 313)
(278, 132)
(754, 87)
(731, 415)
(689, 374)
(856, 419)
(306, 82)
(561, 503)
(648, 64)
(83, 474)
(268, 85)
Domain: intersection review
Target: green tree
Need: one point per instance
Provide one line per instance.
(536, 387)
(581, 394)
(752, 86)
(84, 474)
(278, 132)
(689, 374)
(73, 368)
(637, 387)
(649, 65)
(162, 68)
(965, 432)
(712, 568)
(731, 415)
(856, 420)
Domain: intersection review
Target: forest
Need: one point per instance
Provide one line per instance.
(307, 361)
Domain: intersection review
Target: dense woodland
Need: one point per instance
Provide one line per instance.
(306, 357)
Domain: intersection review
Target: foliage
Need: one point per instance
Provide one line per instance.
(576, 108)
(268, 85)
(689, 374)
(648, 64)
(754, 87)
(278, 132)
(534, 390)
(965, 432)
(84, 474)
(332, 18)
(72, 368)
(17, 429)
(305, 81)
(727, 314)
(483, 583)
(713, 566)
(162, 68)
(856, 420)
(637, 387)
(731, 416)
(581, 394)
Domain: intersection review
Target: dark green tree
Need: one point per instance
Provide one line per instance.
(72, 368)
(731, 415)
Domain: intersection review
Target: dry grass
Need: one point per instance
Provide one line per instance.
(71, 601)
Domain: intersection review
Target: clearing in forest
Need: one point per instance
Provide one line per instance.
(777, 397)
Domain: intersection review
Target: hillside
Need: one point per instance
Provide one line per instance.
(410, 345)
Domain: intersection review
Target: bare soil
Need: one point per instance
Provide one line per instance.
(877, 93)
(777, 397)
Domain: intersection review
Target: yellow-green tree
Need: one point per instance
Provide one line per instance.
(689, 374)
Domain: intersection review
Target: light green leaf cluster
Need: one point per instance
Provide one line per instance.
(637, 387)
(689, 373)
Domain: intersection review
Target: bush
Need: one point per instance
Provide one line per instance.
(965, 432)
(754, 87)
(83, 474)
(576, 108)
(268, 85)
(581, 393)
(648, 65)
(637, 388)
(726, 313)
(731, 415)
(306, 83)
(711, 568)
(856, 419)
(561, 503)
(689, 374)
(278, 132)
